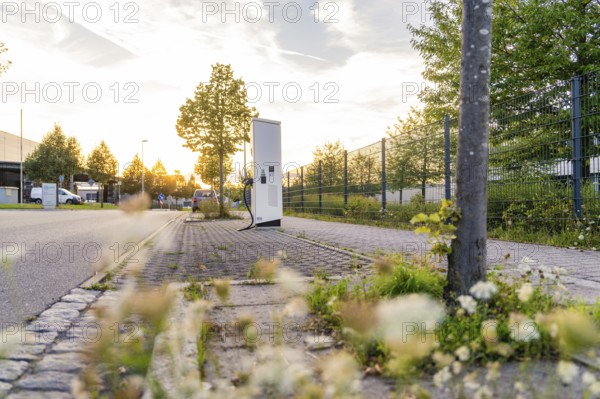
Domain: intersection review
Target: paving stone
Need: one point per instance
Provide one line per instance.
(64, 362)
(47, 381)
(81, 291)
(78, 298)
(38, 337)
(70, 305)
(49, 323)
(26, 352)
(70, 345)
(4, 388)
(10, 370)
(40, 395)
(67, 314)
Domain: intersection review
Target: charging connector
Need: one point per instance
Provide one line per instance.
(248, 182)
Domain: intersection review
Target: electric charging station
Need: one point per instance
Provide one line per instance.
(267, 192)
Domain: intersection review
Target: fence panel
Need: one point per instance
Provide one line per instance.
(544, 165)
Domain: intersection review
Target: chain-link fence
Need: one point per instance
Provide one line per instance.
(544, 165)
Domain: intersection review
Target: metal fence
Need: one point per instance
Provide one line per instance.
(544, 165)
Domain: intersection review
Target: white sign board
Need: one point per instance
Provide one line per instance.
(49, 195)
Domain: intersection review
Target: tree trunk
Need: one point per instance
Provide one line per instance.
(467, 262)
(101, 189)
(221, 204)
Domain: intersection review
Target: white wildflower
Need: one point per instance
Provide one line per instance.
(526, 264)
(442, 377)
(567, 371)
(483, 290)
(559, 271)
(588, 378)
(463, 353)
(594, 388)
(525, 292)
(468, 303)
(519, 386)
(581, 237)
(483, 393)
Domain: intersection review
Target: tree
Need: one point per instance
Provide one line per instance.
(364, 169)
(102, 166)
(331, 156)
(3, 67)
(535, 44)
(467, 261)
(158, 183)
(417, 153)
(56, 155)
(209, 169)
(217, 119)
(132, 176)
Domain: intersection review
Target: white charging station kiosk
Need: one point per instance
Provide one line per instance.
(267, 191)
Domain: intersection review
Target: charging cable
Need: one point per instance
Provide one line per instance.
(248, 183)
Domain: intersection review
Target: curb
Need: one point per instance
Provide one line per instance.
(101, 275)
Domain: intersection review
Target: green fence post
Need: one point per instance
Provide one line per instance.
(576, 137)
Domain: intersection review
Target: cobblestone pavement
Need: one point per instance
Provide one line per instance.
(45, 356)
(370, 240)
(48, 354)
(200, 249)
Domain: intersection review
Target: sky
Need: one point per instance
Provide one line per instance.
(119, 71)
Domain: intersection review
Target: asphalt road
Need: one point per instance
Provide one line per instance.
(52, 252)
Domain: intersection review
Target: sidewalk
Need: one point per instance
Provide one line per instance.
(48, 360)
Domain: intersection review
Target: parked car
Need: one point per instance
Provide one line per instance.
(201, 195)
(64, 196)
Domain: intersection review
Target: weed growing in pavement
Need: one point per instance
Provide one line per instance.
(173, 266)
(196, 291)
(320, 273)
(263, 271)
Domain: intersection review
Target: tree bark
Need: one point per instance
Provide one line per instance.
(467, 262)
(221, 204)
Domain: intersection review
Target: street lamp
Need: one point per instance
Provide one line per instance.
(143, 141)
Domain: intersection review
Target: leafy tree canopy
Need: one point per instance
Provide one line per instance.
(101, 163)
(217, 119)
(56, 155)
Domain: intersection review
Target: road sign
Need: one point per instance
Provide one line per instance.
(161, 197)
(91, 182)
(61, 178)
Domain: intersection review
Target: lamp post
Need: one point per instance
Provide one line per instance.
(143, 141)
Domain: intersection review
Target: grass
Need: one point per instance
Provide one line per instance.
(173, 266)
(93, 206)
(20, 206)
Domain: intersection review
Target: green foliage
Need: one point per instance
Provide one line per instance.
(404, 278)
(208, 168)
(101, 163)
(196, 291)
(217, 119)
(534, 43)
(56, 155)
(416, 153)
(132, 176)
(323, 299)
(331, 156)
(361, 208)
(439, 226)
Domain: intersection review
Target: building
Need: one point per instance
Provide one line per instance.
(10, 158)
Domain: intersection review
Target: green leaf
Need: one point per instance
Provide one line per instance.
(420, 218)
